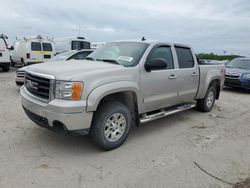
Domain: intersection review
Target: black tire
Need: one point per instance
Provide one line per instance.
(6, 68)
(102, 115)
(203, 104)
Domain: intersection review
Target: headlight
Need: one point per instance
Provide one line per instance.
(246, 76)
(69, 90)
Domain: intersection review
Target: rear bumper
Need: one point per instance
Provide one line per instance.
(4, 64)
(70, 115)
(238, 83)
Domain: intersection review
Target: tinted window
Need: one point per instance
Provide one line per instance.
(163, 52)
(185, 57)
(80, 55)
(47, 47)
(79, 45)
(36, 46)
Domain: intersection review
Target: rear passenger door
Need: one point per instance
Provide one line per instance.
(187, 74)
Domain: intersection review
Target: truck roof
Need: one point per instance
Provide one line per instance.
(155, 42)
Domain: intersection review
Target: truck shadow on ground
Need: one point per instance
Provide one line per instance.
(83, 144)
(236, 90)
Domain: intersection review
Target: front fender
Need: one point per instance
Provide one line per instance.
(101, 91)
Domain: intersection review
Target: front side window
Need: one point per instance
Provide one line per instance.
(163, 52)
(36, 46)
(127, 54)
(47, 47)
(185, 57)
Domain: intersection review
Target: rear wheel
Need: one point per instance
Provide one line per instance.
(111, 125)
(206, 104)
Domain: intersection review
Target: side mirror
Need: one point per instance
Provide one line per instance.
(11, 48)
(155, 64)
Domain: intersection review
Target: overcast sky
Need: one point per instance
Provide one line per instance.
(209, 26)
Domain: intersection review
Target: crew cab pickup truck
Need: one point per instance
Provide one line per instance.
(119, 85)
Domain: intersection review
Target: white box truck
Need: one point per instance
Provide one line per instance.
(32, 50)
(70, 43)
(4, 53)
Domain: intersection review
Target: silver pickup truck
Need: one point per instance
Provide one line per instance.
(119, 85)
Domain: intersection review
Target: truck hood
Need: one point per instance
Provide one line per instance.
(236, 71)
(67, 70)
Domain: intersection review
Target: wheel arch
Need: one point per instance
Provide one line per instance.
(125, 92)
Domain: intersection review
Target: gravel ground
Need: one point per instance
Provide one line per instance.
(177, 151)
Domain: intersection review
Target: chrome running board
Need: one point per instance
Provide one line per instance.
(163, 113)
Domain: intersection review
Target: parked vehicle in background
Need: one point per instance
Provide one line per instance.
(119, 85)
(4, 53)
(72, 43)
(32, 50)
(238, 73)
(72, 54)
(95, 45)
(66, 56)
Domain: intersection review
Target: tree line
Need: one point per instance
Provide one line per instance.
(212, 56)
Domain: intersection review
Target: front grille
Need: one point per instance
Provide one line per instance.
(232, 82)
(20, 74)
(37, 86)
(232, 76)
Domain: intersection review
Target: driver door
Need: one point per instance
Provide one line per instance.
(159, 87)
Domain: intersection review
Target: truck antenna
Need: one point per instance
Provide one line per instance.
(143, 38)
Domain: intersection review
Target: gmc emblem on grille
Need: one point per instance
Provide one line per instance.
(32, 85)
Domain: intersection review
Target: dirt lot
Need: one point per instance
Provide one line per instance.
(184, 150)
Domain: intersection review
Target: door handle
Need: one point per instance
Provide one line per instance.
(194, 74)
(172, 76)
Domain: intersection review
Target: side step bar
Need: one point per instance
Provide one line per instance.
(164, 113)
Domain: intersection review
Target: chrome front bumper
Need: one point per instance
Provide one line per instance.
(72, 114)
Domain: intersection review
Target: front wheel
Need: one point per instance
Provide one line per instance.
(206, 104)
(111, 125)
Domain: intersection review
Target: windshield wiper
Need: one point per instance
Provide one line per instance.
(90, 58)
(109, 61)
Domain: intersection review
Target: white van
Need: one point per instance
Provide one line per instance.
(4, 54)
(72, 43)
(32, 50)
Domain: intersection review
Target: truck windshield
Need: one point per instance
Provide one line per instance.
(127, 54)
(239, 63)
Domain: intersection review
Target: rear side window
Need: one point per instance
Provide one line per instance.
(185, 57)
(163, 52)
(36, 46)
(47, 47)
(79, 45)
